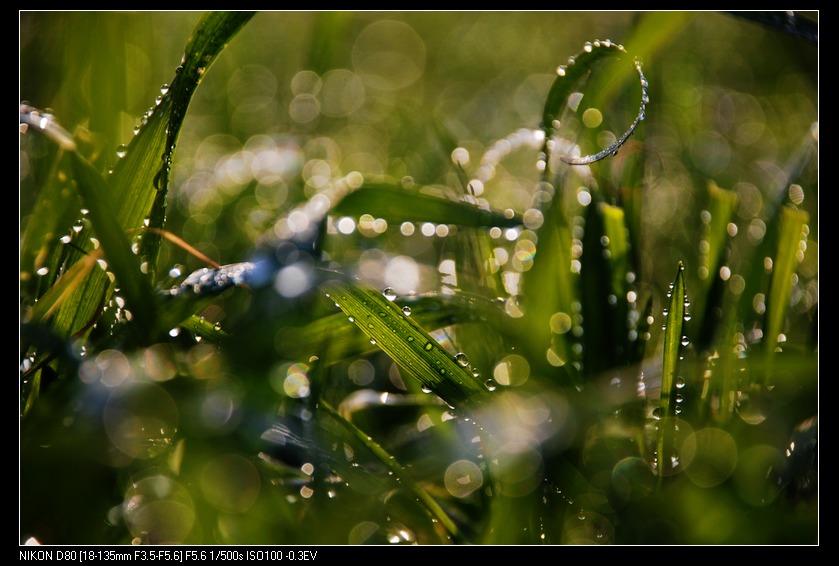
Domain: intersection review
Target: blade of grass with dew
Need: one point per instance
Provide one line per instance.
(121, 261)
(424, 204)
(399, 471)
(673, 335)
(138, 181)
(211, 35)
(430, 312)
(49, 302)
(550, 285)
(716, 221)
(407, 343)
(569, 78)
(57, 204)
(792, 233)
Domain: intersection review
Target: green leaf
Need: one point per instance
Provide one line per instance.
(407, 343)
(792, 230)
(579, 67)
(150, 168)
(344, 341)
(122, 262)
(400, 472)
(550, 290)
(425, 204)
(614, 228)
(673, 335)
(49, 302)
(713, 252)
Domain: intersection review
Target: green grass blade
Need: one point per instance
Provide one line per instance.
(569, 78)
(344, 341)
(792, 230)
(52, 299)
(122, 262)
(549, 295)
(673, 336)
(137, 184)
(719, 213)
(614, 228)
(398, 470)
(397, 204)
(150, 168)
(407, 343)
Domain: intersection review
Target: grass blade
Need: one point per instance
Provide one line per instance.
(673, 336)
(121, 260)
(792, 234)
(408, 344)
(209, 38)
(400, 472)
(720, 210)
(398, 204)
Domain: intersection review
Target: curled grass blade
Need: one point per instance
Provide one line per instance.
(569, 77)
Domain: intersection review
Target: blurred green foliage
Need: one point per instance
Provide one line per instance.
(269, 418)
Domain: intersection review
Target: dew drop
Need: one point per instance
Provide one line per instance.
(164, 88)
(389, 293)
(657, 413)
(406, 310)
(426, 389)
(490, 385)
(122, 150)
(351, 319)
(461, 359)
